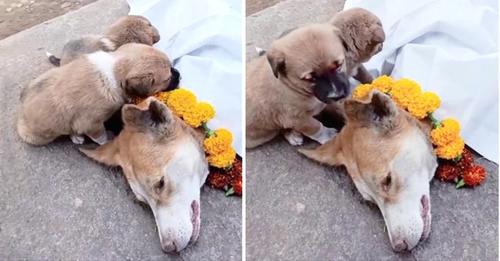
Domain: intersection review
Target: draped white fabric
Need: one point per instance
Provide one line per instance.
(450, 47)
(203, 38)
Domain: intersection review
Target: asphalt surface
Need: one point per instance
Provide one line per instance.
(56, 204)
(299, 210)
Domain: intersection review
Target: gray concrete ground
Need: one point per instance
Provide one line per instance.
(55, 204)
(300, 210)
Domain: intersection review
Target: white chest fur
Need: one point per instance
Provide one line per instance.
(105, 63)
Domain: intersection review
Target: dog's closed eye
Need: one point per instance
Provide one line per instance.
(159, 185)
(386, 182)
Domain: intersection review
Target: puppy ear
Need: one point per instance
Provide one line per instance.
(106, 154)
(139, 85)
(329, 153)
(276, 59)
(380, 111)
(156, 118)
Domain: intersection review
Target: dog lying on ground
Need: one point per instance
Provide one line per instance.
(390, 158)
(164, 163)
(127, 29)
(76, 99)
(285, 89)
(362, 35)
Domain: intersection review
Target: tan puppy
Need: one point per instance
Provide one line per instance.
(389, 157)
(164, 163)
(363, 36)
(127, 29)
(285, 89)
(75, 99)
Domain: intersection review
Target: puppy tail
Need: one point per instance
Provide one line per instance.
(260, 51)
(53, 59)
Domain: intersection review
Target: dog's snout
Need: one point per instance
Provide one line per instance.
(168, 246)
(175, 80)
(400, 245)
(156, 35)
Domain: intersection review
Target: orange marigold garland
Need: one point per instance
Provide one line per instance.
(225, 168)
(456, 162)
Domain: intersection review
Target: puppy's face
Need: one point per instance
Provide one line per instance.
(133, 29)
(165, 166)
(149, 71)
(391, 161)
(361, 32)
(310, 60)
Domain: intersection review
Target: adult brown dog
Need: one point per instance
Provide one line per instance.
(390, 158)
(76, 99)
(127, 29)
(285, 89)
(165, 165)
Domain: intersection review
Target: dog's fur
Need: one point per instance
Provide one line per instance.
(164, 163)
(75, 99)
(127, 29)
(363, 36)
(285, 89)
(390, 158)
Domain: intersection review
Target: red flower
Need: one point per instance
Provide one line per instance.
(447, 172)
(466, 161)
(474, 175)
(237, 187)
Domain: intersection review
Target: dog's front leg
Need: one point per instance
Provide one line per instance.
(313, 129)
(98, 134)
(362, 75)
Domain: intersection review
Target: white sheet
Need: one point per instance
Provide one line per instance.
(203, 38)
(449, 47)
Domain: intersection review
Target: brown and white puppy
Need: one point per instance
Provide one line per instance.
(363, 36)
(164, 163)
(285, 89)
(127, 29)
(76, 99)
(389, 157)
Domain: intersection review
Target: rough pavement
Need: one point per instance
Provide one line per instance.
(300, 210)
(55, 204)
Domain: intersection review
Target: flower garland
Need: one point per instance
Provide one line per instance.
(217, 143)
(456, 162)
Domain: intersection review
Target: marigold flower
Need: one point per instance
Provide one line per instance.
(219, 142)
(424, 104)
(446, 133)
(474, 176)
(181, 101)
(362, 91)
(198, 114)
(447, 172)
(383, 83)
(162, 96)
(451, 150)
(404, 92)
(222, 160)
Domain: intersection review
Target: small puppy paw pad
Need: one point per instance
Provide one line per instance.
(294, 138)
(77, 139)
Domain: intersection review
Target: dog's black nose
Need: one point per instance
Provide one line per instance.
(174, 81)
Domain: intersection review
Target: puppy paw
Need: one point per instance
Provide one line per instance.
(77, 139)
(324, 134)
(101, 140)
(293, 137)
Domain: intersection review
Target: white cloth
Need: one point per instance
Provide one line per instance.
(203, 38)
(450, 47)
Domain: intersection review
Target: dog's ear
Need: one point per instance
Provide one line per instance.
(156, 118)
(380, 111)
(106, 154)
(139, 85)
(276, 59)
(329, 153)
